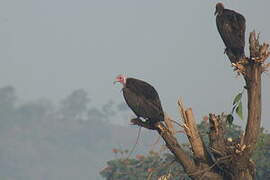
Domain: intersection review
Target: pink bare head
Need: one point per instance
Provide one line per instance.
(120, 78)
(219, 8)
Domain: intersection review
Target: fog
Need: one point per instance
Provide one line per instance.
(49, 49)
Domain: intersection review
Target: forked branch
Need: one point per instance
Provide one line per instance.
(254, 68)
(235, 154)
(190, 127)
(172, 144)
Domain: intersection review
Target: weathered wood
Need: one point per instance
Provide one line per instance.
(216, 136)
(197, 145)
(242, 167)
(172, 144)
(253, 86)
(195, 172)
(229, 160)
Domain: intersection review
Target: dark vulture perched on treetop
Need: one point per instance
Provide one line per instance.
(231, 27)
(142, 98)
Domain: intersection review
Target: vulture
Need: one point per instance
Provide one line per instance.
(142, 98)
(231, 26)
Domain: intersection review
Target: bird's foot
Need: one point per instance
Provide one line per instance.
(239, 68)
(139, 122)
(243, 60)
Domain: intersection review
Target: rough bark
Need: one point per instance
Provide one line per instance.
(224, 159)
(192, 133)
(172, 144)
(253, 68)
(181, 156)
(253, 85)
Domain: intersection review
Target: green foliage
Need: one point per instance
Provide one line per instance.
(43, 140)
(231, 131)
(237, 107)
(237, 98)
(151, 166)
(239, 110)
(154, 165)
(261, 156)
(229, 119)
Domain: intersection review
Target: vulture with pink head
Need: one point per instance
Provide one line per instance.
(142, 98)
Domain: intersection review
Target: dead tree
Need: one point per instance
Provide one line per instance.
(223, 159)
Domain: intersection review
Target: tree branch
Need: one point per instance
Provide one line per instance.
(253, 70)
(216, 136)
(238, 165)
(193, 135)
(172, 144)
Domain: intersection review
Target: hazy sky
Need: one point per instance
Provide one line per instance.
(49, 48)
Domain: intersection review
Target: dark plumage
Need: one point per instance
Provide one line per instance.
(142, 98)
(231, 27)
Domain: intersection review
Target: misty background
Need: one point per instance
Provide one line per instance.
(60, 114)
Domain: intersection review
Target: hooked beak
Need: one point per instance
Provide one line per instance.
(114, 82)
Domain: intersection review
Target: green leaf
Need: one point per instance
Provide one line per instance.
(237, 98)
(229, 119)
(234, 106)
(239, 110)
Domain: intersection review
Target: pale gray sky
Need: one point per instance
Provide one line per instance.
(49, 48)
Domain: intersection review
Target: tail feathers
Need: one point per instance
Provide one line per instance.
(235, 54)
(154, 121)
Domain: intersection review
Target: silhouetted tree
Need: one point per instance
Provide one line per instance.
(73, 106)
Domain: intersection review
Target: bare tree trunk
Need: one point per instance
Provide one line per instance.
(244, 168)
(223, 159)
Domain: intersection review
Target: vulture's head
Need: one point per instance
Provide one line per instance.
(219, 8)
(121, 79)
